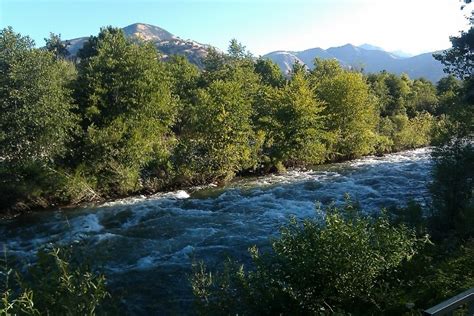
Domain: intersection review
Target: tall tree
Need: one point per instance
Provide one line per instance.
(422, 97)
(35, 101)
(184, 79)
(218, 141)
(350, 110)
(57, 46)
(459, 59)
(453, 170)
(269, 73)
(35, 121)
(127, 109)
(292, 121)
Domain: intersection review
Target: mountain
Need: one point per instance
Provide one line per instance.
(167, 43)
(371, 47)
(284, 60)
(308, 56)
(369, 58)
(402, 54)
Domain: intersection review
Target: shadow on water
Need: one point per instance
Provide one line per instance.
(145, 246)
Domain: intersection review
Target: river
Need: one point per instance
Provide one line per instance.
(145, 245)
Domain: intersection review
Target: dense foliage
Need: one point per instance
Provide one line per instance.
(452, 188)
(126, 110)
(117, 120)
(347, 264)
(37, 119)
(343, 263)
(51, 286)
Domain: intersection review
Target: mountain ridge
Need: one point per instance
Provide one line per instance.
(367, 57)
(167, 43)
(371, 59)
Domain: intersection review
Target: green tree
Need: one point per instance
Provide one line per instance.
(325, 70)
(422, 98)
(452, 187)
(127, 110)
(392, 92)
(214, 60)
(350, 111)
(237, 51)
(269, 73)
(184, 79)
(449, 92)
(57, 46)
(292, 121)
(218, 141)
(459, 59)
(36, 120)
(35, 102)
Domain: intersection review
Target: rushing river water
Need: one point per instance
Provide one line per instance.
(145, 246)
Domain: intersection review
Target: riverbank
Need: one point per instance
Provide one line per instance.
(45, 205)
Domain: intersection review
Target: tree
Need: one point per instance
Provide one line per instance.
(35, 101)
(325, 69)
(217, 142)
(91, 46)
(55, 45)
(213, 60)
(392, 92)
(269, 73)
(449, 94)
(184, 79)
(36, 120)
(350, 110)
(292, 121)
(422, 98)
(452, 186)
(237, 51)
(459, 59)
(126, 108)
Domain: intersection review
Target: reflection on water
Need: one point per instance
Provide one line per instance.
(145, 245)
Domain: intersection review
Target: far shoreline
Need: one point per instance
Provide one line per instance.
(25, 209)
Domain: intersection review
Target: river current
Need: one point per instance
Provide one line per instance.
(145, 245)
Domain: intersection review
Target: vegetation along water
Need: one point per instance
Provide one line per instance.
(390, 233)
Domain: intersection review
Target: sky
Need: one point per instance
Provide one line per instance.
(413, 26)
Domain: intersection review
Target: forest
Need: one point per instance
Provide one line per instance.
(117, 120)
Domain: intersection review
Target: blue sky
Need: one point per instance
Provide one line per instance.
(413, 26)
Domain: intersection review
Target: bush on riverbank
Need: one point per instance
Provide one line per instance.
(344, 263)
(51, 286)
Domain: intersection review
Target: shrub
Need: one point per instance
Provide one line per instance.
(342, 263)
(52, 286)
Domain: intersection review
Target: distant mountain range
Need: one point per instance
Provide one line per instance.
(167, 43)
(368, 57)
(371, 59)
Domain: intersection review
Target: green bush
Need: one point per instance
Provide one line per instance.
(52, 286)
(402, 132)
(452, 188)
(343, 263)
